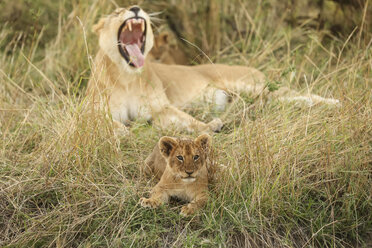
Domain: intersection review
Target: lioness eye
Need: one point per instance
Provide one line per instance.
(196, 157)
(180, 158)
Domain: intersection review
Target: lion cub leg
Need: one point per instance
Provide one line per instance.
(197, 203)
(158, 197)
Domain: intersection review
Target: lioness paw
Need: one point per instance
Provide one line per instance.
(149, 203)
(187, 211)
(120, 129)
(215, 125)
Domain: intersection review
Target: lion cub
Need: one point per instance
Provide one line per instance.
(182, 168)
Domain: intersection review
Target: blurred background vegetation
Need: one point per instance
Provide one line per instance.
(207, 24)
(232, 32)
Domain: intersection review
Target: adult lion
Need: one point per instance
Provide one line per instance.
(137, 88)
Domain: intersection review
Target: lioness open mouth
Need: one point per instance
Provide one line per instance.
(131, 41)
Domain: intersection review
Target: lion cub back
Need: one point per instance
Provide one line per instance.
(155, 163)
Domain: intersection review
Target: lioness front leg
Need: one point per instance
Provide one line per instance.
(199, 201)
(157, 198)
(120, 129)
(171, 115)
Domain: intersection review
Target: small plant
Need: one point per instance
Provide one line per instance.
(273, 85)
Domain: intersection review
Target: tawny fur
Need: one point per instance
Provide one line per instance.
(181, 166)
(159, 92)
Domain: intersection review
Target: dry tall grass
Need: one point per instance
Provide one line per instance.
(294, 176)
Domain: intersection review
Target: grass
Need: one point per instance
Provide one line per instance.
(294, 176)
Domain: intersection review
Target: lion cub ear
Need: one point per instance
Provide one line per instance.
(203, 141)
(98, 26)
(167, 145)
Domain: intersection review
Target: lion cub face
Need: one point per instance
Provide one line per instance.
(185, 157)
(126, 37)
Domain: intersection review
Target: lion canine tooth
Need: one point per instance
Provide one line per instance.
(142, 25)
(130, 26)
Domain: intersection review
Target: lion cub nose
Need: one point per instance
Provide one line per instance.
(189, 172)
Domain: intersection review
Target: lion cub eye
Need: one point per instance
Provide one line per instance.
(196, 157)
(180, 158)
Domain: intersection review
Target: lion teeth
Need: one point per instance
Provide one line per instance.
(142, 25)
(135, 22)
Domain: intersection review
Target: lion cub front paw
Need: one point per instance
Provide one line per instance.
(215, 125)
(149, 203)
(187, 210)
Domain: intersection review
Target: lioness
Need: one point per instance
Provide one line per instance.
(182, 168)
(137, 88)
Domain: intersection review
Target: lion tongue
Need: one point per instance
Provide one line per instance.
(135, 54)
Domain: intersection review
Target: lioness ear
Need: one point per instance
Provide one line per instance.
(119, 10)
(97, 27)
(167, 145)
(203, 141)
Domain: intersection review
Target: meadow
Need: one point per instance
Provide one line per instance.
(290, 175)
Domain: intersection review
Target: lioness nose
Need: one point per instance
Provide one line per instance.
(135, 9)
(189, 172)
